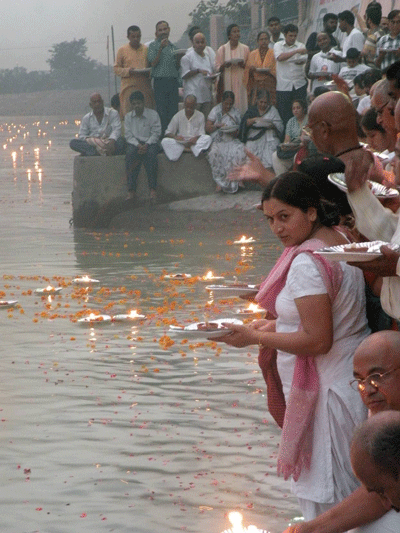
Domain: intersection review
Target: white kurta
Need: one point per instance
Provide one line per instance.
(379, 223)
(339, 408)
(265, 146)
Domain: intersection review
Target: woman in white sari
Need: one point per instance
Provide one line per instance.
(226, 151)
(261, 128)
(230, 60)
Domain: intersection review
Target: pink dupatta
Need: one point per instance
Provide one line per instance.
(297, 417)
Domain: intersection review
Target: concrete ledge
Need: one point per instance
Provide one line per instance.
(100, 191)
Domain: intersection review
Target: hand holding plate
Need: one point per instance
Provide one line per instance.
(384, 265)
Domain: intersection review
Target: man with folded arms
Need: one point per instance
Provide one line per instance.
(186, 132)
(142, 133)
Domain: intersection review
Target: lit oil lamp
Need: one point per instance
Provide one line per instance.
(251, 309)
(210, 276)
(92, 318)
(132, 315)
(179, 275)
(236, 519)
(85, 280)
(48, 290)
(244, 240)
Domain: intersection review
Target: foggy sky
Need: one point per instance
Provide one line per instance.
(28, 28)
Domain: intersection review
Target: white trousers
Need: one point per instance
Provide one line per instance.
(173, 150)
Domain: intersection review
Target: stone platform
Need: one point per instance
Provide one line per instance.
(100, 191)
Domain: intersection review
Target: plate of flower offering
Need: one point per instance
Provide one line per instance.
(235, 61)
(85, 280)
(252, 309)
(235, 289)
(263, 123)
(356, 251)
(212, 76)
(179, 275)
(94, 319)
(229, 129)
(48, 290)
(180, 52)
(6, 304)
(244, 240)
(213, 328)
(142, 70)
(126, 317)
(263, 70)
(377, 189)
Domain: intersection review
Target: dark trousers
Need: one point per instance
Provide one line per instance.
(166, 95)
(134, 162)
(84, 148)
(284, 100)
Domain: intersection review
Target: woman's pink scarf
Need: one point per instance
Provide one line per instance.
(297, 418)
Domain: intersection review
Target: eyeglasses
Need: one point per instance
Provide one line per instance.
(375, 380)
(379, 110)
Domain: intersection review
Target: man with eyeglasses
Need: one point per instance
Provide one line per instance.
(388, 46)
(377, 378)
(375, 455)
(381, 101)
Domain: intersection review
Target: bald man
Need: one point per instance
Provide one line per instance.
(186, 131)
(332, 122)
(196, 68)
(375, 456)
(100, 131)
(377, 378)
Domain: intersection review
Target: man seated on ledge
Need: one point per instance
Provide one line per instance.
(100, 131)
(186, 132)
(142, 133)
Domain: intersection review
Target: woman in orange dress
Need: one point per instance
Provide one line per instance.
(132, 58)
(261, 58)
(230, 60)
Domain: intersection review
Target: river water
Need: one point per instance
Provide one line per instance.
(122, 426)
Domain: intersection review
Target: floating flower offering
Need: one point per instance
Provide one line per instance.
(250, 310)
(210, 276)
(5, 304)
(236, 520)
(178, 276)
(85, 280)
(94, 318)
(48, 290)
(244, 240)
(132, 315)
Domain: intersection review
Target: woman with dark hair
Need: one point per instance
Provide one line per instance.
(376, 136)
(261, 70)
(226, 151)
(317, 311)
(282, 159)
(230, 60)
(261, 128)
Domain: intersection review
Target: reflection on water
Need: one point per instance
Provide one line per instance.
(122, 426)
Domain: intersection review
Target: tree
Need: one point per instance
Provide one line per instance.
(238, 11)
(202, 14)
(70, 67)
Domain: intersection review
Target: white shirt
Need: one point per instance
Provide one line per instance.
(198, 85)
(288, 74)
(321, 63)
(109, 127)
(348, 74)
(181, 125)
(146, 128)
(355, 39)
(379, 223)
(364, 104)
(272, 43)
